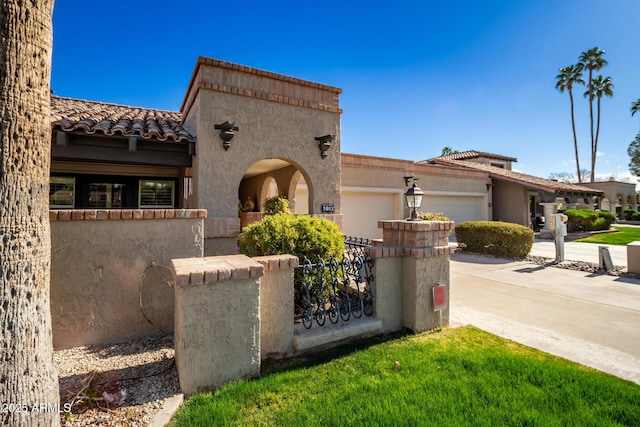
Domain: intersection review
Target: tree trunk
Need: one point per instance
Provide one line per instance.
(593, 160)
(28, 382)
(595, 146)
(575, 138)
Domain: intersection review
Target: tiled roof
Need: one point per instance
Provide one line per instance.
(472, 154)
(91, 117)
(528, 181)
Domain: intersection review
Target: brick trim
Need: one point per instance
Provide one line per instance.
(210, 270)
(195, 84)
(416, 225)
(278, 262)
(268, 74)
(124, 214)
(267, 97)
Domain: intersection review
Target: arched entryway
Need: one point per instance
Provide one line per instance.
(269, 178)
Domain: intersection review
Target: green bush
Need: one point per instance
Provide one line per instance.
(628, 213)
(495, 238)
(276, 205)
(635, 216)
(587, 220)
(300, 235)
(432, 216)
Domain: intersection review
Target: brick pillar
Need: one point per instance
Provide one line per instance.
(425, 251)
(217, 320)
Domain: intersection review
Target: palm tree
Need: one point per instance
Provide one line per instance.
(600, 86)
(27, 373)
(592, 60)
(635, 107)
(566, 79)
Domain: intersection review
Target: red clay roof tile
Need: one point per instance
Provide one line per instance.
(529, 181)
(70, 114)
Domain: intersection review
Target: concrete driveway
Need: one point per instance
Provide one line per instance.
(590, 319)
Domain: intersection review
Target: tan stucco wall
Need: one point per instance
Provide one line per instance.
(387, 288)
(510, 203)
(267, 130)
(613, 189)
(420, 276)
(277, 116)
(217, 320)
(97, 269)
(276, 305)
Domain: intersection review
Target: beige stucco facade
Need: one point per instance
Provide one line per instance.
(278, 118)
(616, 193)
(510, 203)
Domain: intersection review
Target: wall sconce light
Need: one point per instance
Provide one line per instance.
(489, 185)
(324, 142)
(413, 197)
(226, 133)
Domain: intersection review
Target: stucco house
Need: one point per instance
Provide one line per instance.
(241, 133)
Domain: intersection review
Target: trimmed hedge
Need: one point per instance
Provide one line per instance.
(300, 235)
(495, 238)
(588, 220)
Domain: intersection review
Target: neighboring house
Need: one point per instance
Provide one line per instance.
(373, 189)
(516, 197)
(616, 196)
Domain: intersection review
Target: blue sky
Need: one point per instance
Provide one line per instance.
(416, 75)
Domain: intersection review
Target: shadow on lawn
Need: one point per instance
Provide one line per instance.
(270, 366)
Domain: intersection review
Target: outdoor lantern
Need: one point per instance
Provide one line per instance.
(414, 198)
(324, 142)
(227, 130)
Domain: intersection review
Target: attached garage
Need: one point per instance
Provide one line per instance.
(363, 209)
(458, 207)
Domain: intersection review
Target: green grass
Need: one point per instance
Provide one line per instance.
(624, 236)
(457, 377)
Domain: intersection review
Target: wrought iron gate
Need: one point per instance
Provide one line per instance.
(335, 289)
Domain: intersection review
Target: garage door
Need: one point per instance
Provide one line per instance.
(458, 208)
(362, 211)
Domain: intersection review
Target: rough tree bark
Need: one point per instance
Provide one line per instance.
(28, 379)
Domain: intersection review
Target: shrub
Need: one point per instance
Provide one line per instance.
(628, 213)
(432, 216)
(276, 205)
(587, 220)
(635, 216)
(300, 235)
(495, 238)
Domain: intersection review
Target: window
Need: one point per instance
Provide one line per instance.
(103, 195)
(498, 165)
(61, 192)
(156, 194)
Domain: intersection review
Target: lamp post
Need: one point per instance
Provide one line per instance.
(413, 197)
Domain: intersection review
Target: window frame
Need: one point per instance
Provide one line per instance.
(164, 181)
(73, 191)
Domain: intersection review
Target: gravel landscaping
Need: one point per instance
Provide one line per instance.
(122, 384)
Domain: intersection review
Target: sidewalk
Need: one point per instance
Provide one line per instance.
(577, 251)
(588, 318)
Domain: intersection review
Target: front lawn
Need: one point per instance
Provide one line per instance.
(456, 377)
(624, 236)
